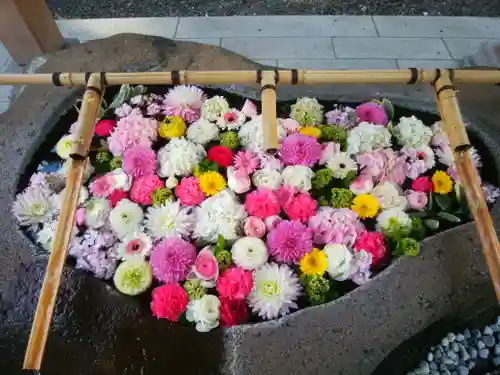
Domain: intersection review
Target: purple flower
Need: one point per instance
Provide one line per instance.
(300, 149)
(172, 260)
(289, 241)
(372, 112)
(360, 267)
(342, 116)
(139, 161)
(338, 226)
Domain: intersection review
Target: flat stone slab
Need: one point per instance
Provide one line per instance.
(97, 331)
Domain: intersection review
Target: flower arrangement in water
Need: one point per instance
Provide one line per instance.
(181, 201)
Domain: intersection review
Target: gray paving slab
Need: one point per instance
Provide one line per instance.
(441, 27)
(280, 48)
(340, 64)
(276, 26)
(414, 63)
(3, 106)
(460, 48)
(393, 48)
(4, 56)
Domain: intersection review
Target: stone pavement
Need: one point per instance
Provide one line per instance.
(313, 42)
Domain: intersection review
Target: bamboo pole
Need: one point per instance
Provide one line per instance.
(46, 303)
(269, 120)
(454, 127)
(293, 76)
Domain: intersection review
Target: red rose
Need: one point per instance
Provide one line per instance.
(104, 127)
(221, 155)
(373, 243)
(169, 302)
(233, 312)
(116, 196)
(422, 184)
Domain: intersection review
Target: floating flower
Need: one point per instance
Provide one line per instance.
(367, 137)
(206, 268)
(383, 165)
(272, 221)
(179, 157)
(246, 162)
(362, 185)
(417, 200)
(102, 186)
(365, 205)
(64, 146)
(221, 155)
(442, 183)
(171, 182)
(249, 108)
(341, 198)
(214, 107)
(132, 130)
(237, 181)
(372, 112)
(230, 140)
(133, 277)
(339, 261)
(389, 195)
(360, 267)
(341, 164)
(202, 132)
(33, 206)
(189, 191)
(139, 161)
(172, 260)
(143, 187)
(316, 289)
(276, 288)
(212, 182)
(169, 302)
(342, 116)
(334, 134)
(126, 217)
(169, 220)
(262, 203)
(233, 312)
(299, 149)
(194, 289)
(249, 253)
(373, 243)
(123, 110)
(136, 245)
(307, 111)
(412, 132)
(314, 263)
(340, 226)
(422, 184)
(116, 196)
(267, 178)
(254, 227)
(172, 127)
(252, 136)
(184, 101)
(310, 131)
(231, 120)
(302, 207)
(103, 128)
(160, 196)
(289, 241)
(235, 283)
(388, 218)
(290, 125)
(298, 176)
(97, 212)
(418, 160)
(204, 312)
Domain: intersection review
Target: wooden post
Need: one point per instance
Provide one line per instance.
(27, 29)
(269, 120)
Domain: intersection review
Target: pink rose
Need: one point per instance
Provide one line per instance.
(238, 181)
(422, 184)
(254, 227)
(373, 243)
(235, 283)
(272, 221)
(416, 199)
(206, 267)
(249, 109)
(362, 184)
(290, 125)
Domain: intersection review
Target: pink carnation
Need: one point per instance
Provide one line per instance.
(235, 283)
(80, 216)
(254, 227)
(300, 149)
(289, 241)
(246, 162)
(102, 186)
(262, 203)
(286, 194)
(372, 112)
(189, 191)
(169, 302)
(272, 222)
(184, 101)
(301, 207)
(383, 165)
(139, 161)
(291, 126)
(373, 243)
(132, 130)
(332, 225)
(143, 187)
(172, 260)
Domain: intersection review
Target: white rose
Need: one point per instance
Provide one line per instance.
(249, 253)
(237, 182)
(298, 176)
(339, 261)
(171, 182)
(385, 218)
(389, 195)
(205, 312)
(121, 180)
(268, 178)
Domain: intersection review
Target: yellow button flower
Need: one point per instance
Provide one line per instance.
(441, 182)
(365, 205)
(212, 182)
(314, 263)
(172, 127)
(311, 131)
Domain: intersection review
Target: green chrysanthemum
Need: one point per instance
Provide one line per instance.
(194, 289)
(322, 178)
(160, 196)
(103, 157)
(395, 231)
(133, 277)
(408, 246)
(323, 201)
(334, 133)
(316, 289)
(417, 228)
(341, 198)
(230, 140)
(115, 163)
(224, 259)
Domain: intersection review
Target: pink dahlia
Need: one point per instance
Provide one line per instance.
(169, 302)
(189, 191)
(143, 187)
(302, 207)
(338, 226)
(102, 186)
(132, 130)
(235, 283)
(372, 112)
(139, 161)
(373, 243)
(172, 260)
(262, 203)
(300, 149)
(184, 101)
(246, 162)
(289, 241)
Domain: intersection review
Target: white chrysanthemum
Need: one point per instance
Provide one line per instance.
(275, 290)
(220, 214)
(231, 120)
(205, 312)
(298, 176)
(64, 145)
(179, 157)
(307, 111)
(125, 217)
(89, 169)
(341, 164)
(367, 137)
(249, 253)
(121, 180)
(169, 220)
(389, 195)
(252, 136)
(136, 245)
(412, 132)
(214, 107)
(445, 156)
(268, 178)
(33, 206)
(397, 215)
(339, 261)
(202, 131)
(97, 212)
(46, 235)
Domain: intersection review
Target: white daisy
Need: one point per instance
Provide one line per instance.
(179, 157)
(214, 107)
(341, 164)
(97, 212)
(125, 217)
(231, 120)
(307, 111)
(412, 132)
(33, 206)
(134, 246)
(169, 220)
(202, 131)
(275, 290)
(249, 253)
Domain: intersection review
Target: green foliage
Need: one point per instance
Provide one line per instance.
(322, 178)
(334, 133)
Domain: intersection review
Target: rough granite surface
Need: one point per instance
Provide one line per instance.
(97, 331)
